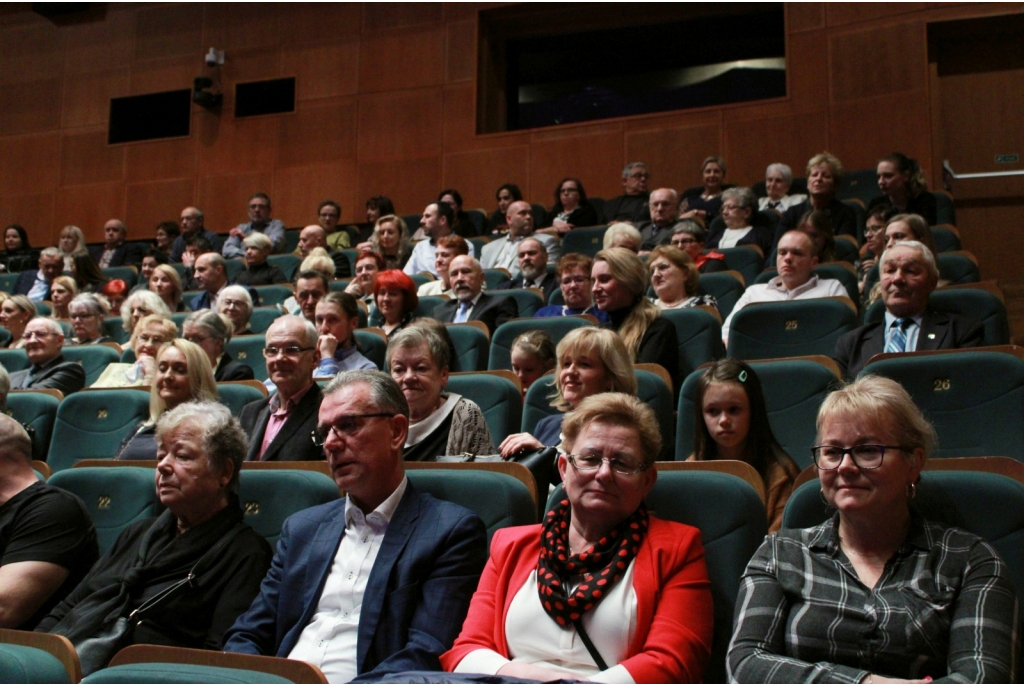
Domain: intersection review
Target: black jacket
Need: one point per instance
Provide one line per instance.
(292, 442)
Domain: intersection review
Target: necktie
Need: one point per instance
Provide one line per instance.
(462, 316)
(774, 204)
(898, 340)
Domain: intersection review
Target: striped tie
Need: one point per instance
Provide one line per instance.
(898, 340)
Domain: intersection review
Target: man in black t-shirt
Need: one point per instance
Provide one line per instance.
(47, 541)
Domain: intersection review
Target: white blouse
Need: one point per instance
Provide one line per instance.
(733, 236)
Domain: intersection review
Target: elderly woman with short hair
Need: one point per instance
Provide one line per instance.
(603, 590)
(824, 174)
(778, 178)
(199, 552)
(676, 280)
(87, 312)
(625, 235)
(439, 423)
(258, 271)
(689, 236)
(877, 593)
(211, 331)
(739, 206)
(150, 334)
(706, 204)
(139, 304)
(235, 303)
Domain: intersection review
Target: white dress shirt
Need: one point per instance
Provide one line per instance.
(733, 236)
(775, 291)
(784, 202)
(330, 640)
(422, 257)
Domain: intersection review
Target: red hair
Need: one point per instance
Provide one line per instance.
(116, 287)
(393, 279)
(378, 260)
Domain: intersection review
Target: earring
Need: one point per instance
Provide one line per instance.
(911, 491)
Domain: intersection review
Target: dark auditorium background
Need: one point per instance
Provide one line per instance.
(386, 104)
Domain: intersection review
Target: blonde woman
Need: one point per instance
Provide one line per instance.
(257, 270)
(137, 305)
(151, 332)
(166, 283)
(15, 313)
(72, 244)
(62, 291)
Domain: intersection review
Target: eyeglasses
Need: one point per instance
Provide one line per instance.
(79, 317)
(197, 339)
(829, 457)
(146, 339)
(37, 335)
(292, 351)
(640, 175)
(684, 241)
(231, 304)
(578, 280)
(259, 206)
(346, 426)
(592, 462)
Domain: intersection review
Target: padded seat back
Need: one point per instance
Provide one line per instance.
(944, 210)
(472, 347)
(700, 337)
(537, 403)
(651, 390)
(91, 425)
(235, 395)
(796, 328)
(113, 327)
(23, 664)
(372, 344)
(958, 267)
(261, 490)
(93, 358)
(494, 277)
(271, 295)
(14, 360)
(114, 496)
(287, 263)
(38, 410)
(248, 349)
(555, 326)
(585, 241)
(128, 274)
(527, 301)
(975, 399)
(724, 287)
(500, 500)
(745, 260)
(947, 239)
(262, 317)
(499, 399)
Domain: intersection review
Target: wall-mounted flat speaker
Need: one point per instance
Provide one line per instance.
(151, 116)
(265, 97)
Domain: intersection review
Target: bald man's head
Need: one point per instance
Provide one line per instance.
(312, 236)
(15, 445)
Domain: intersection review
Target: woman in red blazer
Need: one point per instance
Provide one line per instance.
(602, 591)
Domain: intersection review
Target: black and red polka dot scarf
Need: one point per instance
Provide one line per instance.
(601, 565)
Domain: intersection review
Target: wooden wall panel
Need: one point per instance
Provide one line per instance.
(318, 134)
(162, 160)
(863, 131)
(477, 175)
(992, 232)
(459, 124)
(34, 213)
(30, 106)
(805, 16)
(147, 204)
(408, 58)
(169, 31)
(172, 73)
(879, 61)
(86, 100)
(673, 156)
(224, 199)
(89, 207)
(30, 164)
(460, 50)
(299, 190)
(840, 13)
(31, 52)
(384, 16)
(243, 26)
(753, 145)
(402, 125)
(595, 157)
(411, 184)
(310, 23)
(237, 145)
(323, 71)
(807, 71)
(98, 46)
(86, 158)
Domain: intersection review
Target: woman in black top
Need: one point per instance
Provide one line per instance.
(571, 208)
(506, 194)
(903, 186)
(18, 255)
(257, 270)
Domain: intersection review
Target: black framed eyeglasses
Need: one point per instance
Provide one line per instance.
(344, 427)
(592, 462)
(291, 352)
(829, 457)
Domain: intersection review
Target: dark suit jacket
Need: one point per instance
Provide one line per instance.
(58, 374)
(126, 254)
(416, 597)
(202, 300)
(653, 236)
(292, 442)
(548, 287)
(939, 331)
(27, 279)
(230, 370)
(492, 310)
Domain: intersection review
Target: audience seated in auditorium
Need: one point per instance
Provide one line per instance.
(874, 241)
(258, 271)
(391, 241)
(18, 254)
(640, 583)
(150, 260)
(675, 280)
(72, 242)
(589, 361)
(664, 210)
(903, 186)
(260, 222)
(739, 223)
(192, 225)
(47, 540)
(337, 318)
(533, 269)
(211, 274)
(622, 234)
(574, 279)
(235, 304)
(448, 248)
(471, 303)
(36, 283)
(506, 194)
(689, 236)
(876, 593)
(462, 224)
(707, 203)
(86, 313)
(115, 251)
(778, 178)
(440, 423)
(571, 208)
(532, 355)
(62, 291)
(183, 374)
(378, 206)
(279, 426)
(115, 290)
(731, 422)
(817, 226)
(44, 340)
(426, 554)
(152, 331)
(328, 215)
(163, 239)
(200, 542)
(15, 313)
(211, 331)
(795, 262)
(166, 283)
(902, 227)
(89, 278)
(394, 295)
(632, 204)
(908, 275)
(195, 247)
(503, 253)
(824, 173)
(620, 289)
(436, 223)
(368, 267)
(310, 288)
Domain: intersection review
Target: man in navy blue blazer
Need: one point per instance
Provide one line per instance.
(378, 582)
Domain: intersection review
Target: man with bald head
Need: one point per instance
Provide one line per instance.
(503, 253)
(664, 209)
(47, 540)
(314, 236)
(907, 276)
(211, 275)
(279, 426)
(471, 303)
(192, 223)
(437, 222)
(115, 251)
(44, 341)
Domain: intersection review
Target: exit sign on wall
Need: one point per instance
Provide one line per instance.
(1007, 159)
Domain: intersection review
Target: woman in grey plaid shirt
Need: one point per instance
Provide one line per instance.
(876, 594)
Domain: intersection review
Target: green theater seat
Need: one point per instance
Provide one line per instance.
(499, 399)
(555, 326)
(271, 495)
(92, 423)
(797, 328)
(472, 346)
